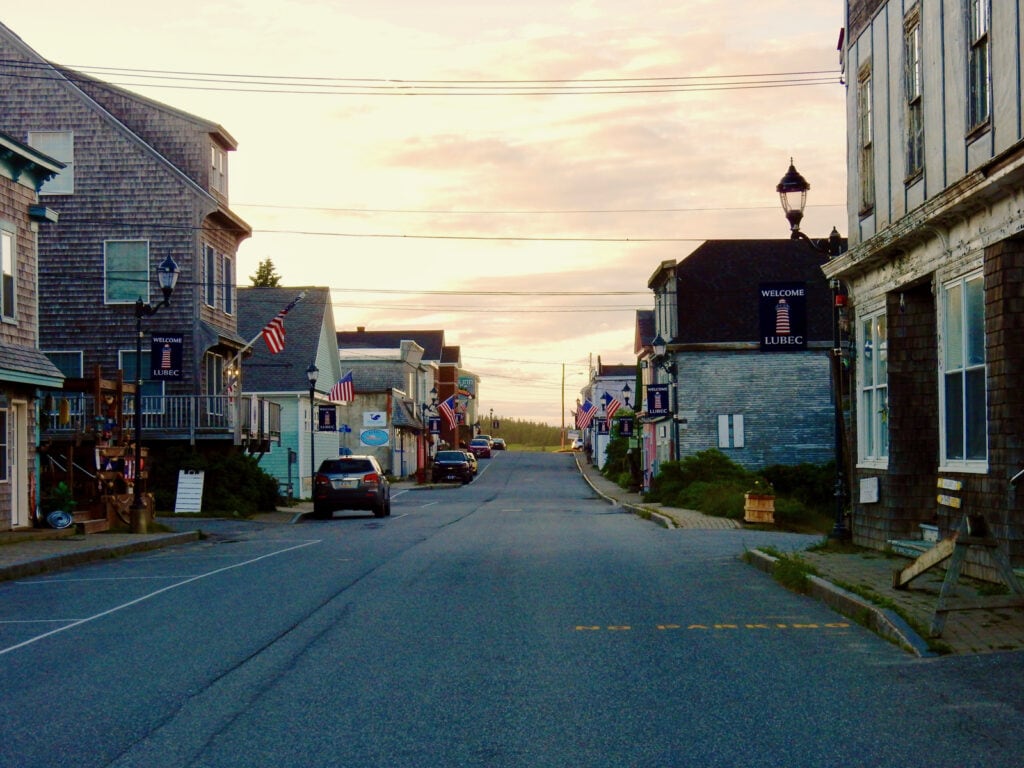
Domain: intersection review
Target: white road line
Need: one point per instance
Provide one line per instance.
(137, 600)
(43, 582)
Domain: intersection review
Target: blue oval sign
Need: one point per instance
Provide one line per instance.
(374, 437)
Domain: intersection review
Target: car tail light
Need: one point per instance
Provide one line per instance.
(371, 479)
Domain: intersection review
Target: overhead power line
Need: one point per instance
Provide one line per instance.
(352, 86)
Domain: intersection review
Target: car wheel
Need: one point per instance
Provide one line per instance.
(380, 511)
(321, 513)
(387, 509)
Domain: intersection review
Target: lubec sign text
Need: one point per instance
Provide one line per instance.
(165, 356)
(783, 316)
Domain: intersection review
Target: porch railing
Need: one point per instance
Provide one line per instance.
(172, 417)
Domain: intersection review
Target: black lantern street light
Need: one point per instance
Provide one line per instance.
(312, 374)
(792, 191)
(626, 392)
(167, 276)
(660, 347)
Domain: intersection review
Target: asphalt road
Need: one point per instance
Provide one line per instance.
(516, 621)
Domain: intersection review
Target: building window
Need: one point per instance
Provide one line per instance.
(3, 446)
(70, 364)
(865, 142)
(126, 271)
(978, 62)
(152, 391)
(730, 431)
(964, 423)
(60, 145)
(213, 384)
(209, 276)
(219, 169)
(874, 388)
(9, 275)
(229, 286)
(913, 82)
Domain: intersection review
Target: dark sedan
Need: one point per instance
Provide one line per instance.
(451, 465)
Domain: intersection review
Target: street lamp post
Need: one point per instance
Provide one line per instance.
(792, 191)
(312, 373)
(660, 347)
(167, 277)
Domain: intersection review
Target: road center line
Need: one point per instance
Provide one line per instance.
(143, 598)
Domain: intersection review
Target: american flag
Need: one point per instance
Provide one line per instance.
(611, 404)
(273, 332)
(447, 409)
(585, 415)
(344, 391)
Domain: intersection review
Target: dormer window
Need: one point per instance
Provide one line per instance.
(219, 170)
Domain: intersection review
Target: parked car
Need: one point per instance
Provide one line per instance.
(351, 482)
(451, 465)
(577, 444)
(498, 444)
(488, 438)
(481, 447)
(471, 458)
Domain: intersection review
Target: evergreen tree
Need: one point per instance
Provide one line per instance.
(266, 276)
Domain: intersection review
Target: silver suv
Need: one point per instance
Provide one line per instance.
(351, 482)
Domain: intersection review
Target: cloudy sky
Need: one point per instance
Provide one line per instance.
(509, 172)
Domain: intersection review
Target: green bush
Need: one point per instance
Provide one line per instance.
(234, 482)
(711, 483)
(707, 466)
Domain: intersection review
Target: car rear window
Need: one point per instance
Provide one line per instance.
(450, 456)
(346, 466)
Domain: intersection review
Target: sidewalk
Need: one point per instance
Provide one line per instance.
(866, 571)
(27, 553)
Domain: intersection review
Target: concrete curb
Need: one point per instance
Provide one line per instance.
(57, 562)
(879, 620)
(639, 511)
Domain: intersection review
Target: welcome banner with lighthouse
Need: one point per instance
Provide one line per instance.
(783, 316)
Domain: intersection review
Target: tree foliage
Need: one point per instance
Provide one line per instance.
(266, 275)
(528, 433)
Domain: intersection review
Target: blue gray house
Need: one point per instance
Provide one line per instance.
(281, 377)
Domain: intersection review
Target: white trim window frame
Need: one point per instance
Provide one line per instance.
(125, 271)
(979, 64)
(213, 383)
(913, 80)
(228, 285)
(963, 426)
(219, 169)
(5, 453)
(8, 272)
(865, 141)
(60, 145)
(873, 390)
(70, 362)
(152, 391)
(209, 275)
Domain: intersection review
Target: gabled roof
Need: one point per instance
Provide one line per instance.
(431, 341)
(717, 288)
(285, 371)
(64, 78)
